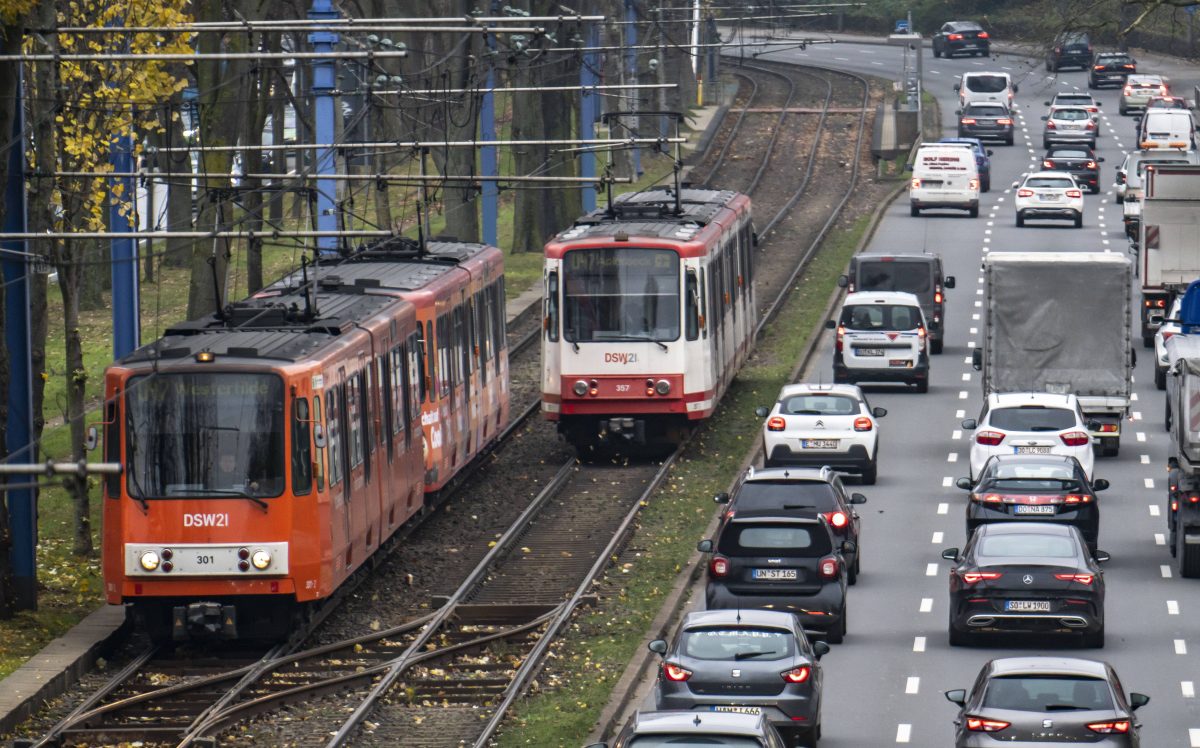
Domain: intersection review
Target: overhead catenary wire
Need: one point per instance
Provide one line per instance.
(300, 24)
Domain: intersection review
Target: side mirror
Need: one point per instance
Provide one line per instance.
(969, 424)
(1099, 159)
(849, 546)
(658, 647)
(762, 411)
(1016, 88)
(948, 281)
(1046, 103)
(958, 112)
(908, 167)
(1044, 118)
(1102, 557)
(705, 546)
(957, 696)
(1093, 425)
(92, 440)
(857, 498)
(820, 649)
(319, 436)
(843, 281)
(977, 359)
(964, 484)
(1138, 700)
(950, 554)
(878, 412)
(1100, 484)
(989, 152)
(721, 498)
(957, 86)
(1016, 185)
(830, 324)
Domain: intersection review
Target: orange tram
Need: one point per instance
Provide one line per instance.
(271, 448)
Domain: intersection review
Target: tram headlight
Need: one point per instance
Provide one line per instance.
(261, 559)
(580, 388)
(149, 560)
(662, 387)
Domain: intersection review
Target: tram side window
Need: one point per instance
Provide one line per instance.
(749, 240)
(319, 463)
(354, 421)
(462, 338)
(112, 447)
(731, 273)
(430, 355)
(301, 449)
(552, 306)
(479, 335)
(365, 406)
(386, 399)
(399, 364)
(443, 339)
(499, 319)
(692, 322)
(416, 368)
(333, 424)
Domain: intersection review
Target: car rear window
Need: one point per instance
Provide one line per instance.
(909, 277)
(1032, 419)
(1050, 182)
(1032, 477)
(775, 539)
(692, 740)
(1145, 84)
(1048, 693)
(1071, 115)
(987, 83)
(1027, 546)
(735, 643)
(820, 405)
(880, 317)
(759, 495)
(1069, 153)
(1112, 59)
(1074, 100)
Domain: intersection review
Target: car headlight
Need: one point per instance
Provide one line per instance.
(149, 560)
(261, 559)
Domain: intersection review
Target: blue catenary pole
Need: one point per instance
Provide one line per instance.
(488, 162)
(631, 74)
(22, 502)
(125, 304)
(589, 106)
(324, 82)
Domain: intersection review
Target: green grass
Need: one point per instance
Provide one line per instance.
(604, 638)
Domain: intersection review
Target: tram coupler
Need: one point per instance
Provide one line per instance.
(204, 620)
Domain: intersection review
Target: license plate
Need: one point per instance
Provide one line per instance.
(1027, 606)
(1036, 509)
(869, 351)
(737, 709)
(783, 574)
(818, 443)
(1031, 450)
(1048, 198)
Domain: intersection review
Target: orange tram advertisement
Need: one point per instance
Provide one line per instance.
(271, 448)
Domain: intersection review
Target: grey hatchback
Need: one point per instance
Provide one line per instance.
(744, 662)
(657, 729)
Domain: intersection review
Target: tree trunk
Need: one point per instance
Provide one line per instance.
(99, 278)
(253, 163)
(70, 282)
(179, 194)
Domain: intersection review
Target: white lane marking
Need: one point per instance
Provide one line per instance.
(987, 231)
(960, 414)
(1194, 737)
(975, 316)
(842, 59)
(1137, 415)
(1145, 459)
(1105, 241)
(974, 330)
(1180, 647)
(1141, 436)
(918, 644)
(1154, 510)
(876, 62)
(947, 481)
(956, 434)
(967, 359)
(1188, 689)
(1163, 569)
(978, 304)
(952, 457)
(931, 570)
(1160, 539)
(913, 685)
(1133, 396)
(904, 733)
(1172, 607)
(926, 604)
(970, 343)
(1101, 224)
(966, 376)
(990, 223)
(1149, 482)
(962, 395)
(986, 240)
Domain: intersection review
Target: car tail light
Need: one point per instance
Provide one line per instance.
(841, 334)
(776, 424)
(1074, 193)
(1077, 498)
(1162, 90)
(1127, 66)
(1128, 91)
(1093, 109)
(797, 674)
(1107, 428)
(979, 724)
(938, 298)
(838, 519)
(982, 35)
(1091, 165)
(673, 672)
(973, 577)
(987, 498)
(955, 37)
(1004, 121)
(1047, 163)
(968, 121)
(1120, 726)
(1090, 125)
(1098, 67)
(719, 567)
(1023, 192)
(1174, 505)
(916, 183)
(1081, 578)
(1075, 439)
(921, 330)
(989, 438)
(829, 568)
(1050, 125)
(862, 423)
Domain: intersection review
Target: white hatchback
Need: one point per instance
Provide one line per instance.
(1035, 423)
(1048, 194)
(1169, 328)
(881, 337)
(816, 425)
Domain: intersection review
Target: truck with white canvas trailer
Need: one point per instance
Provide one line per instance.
(1168, 239)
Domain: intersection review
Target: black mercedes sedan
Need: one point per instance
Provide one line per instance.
(1041, 701)
(1079, 161)
(1026, 577)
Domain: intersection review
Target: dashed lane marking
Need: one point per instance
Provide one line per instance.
(931, 570)
(1165, 570)
(1180, 647)
(952, 457)
(966, 376)
(904, 733)
(1154, 510)
(1194, 737)
(960, 414)
(962, 395)
(1141, 436)
(1187, 689)
(1149, 482)
(926, 604)
(918, 644)
(1172, 607)
(1145, 459)
(913, 685)
(947, 481)
(1160, 539)
(956, 434)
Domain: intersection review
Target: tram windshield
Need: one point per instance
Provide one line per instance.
(622, 293)
(204, 434)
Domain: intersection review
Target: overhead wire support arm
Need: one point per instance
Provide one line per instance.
(396, 178)
(396, 145)
(81, 468)
(188, 57)
(514, 89)
(340, 24)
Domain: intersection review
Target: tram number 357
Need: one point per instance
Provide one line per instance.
(622, 388)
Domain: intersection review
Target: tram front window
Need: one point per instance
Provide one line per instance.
(210, 434)
(620, 295)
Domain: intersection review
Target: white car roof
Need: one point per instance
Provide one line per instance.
(1041, 174)
(804, 388)
(1010, 399)
(897, 298)
(1144, 78)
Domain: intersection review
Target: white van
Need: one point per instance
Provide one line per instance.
(1167, 128)
(944, 176)
(974, 88)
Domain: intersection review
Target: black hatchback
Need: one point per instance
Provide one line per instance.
(957, 37)
(1070, 49)
(781, 562)
(1079, 161)
(986, 121)
(1111, 68)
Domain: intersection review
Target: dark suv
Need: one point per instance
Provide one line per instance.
(1111, 68)
(788, 562)
(1070, 49)
(984, 120)
(917, 274)
(960, 36)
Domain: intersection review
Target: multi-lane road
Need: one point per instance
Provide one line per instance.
(884, 685)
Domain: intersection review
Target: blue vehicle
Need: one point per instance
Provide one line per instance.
(982, 160)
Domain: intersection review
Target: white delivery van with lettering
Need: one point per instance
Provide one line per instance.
(944, 176)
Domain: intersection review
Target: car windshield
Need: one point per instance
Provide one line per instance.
(761, 494)
(1072, 115)
(190, 433)
(980, 110)
(1069, 153)
(907, 277)
(1032, 419)
(987, 83)
(1058, 183)
(736, 643)
(1047, 693)
(692, 740)
(880, 317)
(774, 539)
(621, 294)
(1026, 546)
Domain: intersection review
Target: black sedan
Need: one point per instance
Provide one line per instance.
(1037, 488)
(1046, 701)
(986, 122)
(1110, 68)
(747, 662)
(955, 37)
(1026, 577)
(1079, 161)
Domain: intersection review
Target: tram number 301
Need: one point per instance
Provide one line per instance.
(204, 560)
